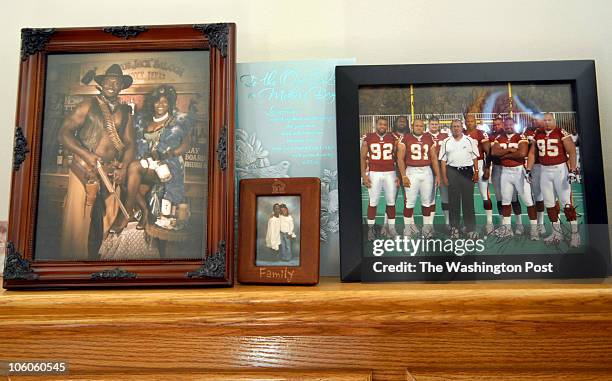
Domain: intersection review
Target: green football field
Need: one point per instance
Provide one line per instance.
(516, 245)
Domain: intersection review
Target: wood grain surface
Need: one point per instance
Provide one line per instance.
(270, 375)
(514, 376)
(460, 331)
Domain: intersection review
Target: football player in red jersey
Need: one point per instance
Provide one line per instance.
(483, 180)
(576, 140)
(416, 157)
(378, 174)
(400, 127)
(556, 152)
(512, 150)
(496, 130)
(536, 171)
(437, 136)
(496, 171)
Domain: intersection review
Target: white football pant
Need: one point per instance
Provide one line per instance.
(382, 181)
(536, 174)
(421, 182)
(554, 184)
(496, 180)
(483, 185)
(513, 180)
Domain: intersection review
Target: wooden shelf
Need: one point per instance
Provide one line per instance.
(463, 331)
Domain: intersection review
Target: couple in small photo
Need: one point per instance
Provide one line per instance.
(280, 232)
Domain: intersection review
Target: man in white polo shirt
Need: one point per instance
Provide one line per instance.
(458, 156)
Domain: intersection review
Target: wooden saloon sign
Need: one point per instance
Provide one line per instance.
(123, 160)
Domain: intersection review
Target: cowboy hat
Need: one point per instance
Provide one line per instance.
(115, 71)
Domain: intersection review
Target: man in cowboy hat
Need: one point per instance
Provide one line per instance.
(99, 130)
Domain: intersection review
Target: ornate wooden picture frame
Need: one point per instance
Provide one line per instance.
(157, 61)
(279, 231)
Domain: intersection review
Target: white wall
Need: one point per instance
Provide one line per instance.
(374, 32)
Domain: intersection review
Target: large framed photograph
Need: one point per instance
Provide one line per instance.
(123, 160)
(279, 230)
(470, 171)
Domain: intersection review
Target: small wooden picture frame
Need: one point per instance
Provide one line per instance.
(279, 231)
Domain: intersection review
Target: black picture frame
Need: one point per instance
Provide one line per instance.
(595, 262)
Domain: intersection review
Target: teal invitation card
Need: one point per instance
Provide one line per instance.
(286, 127)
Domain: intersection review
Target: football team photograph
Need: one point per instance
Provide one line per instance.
(498, 162)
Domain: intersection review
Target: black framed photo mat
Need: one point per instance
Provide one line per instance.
(470, 171)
